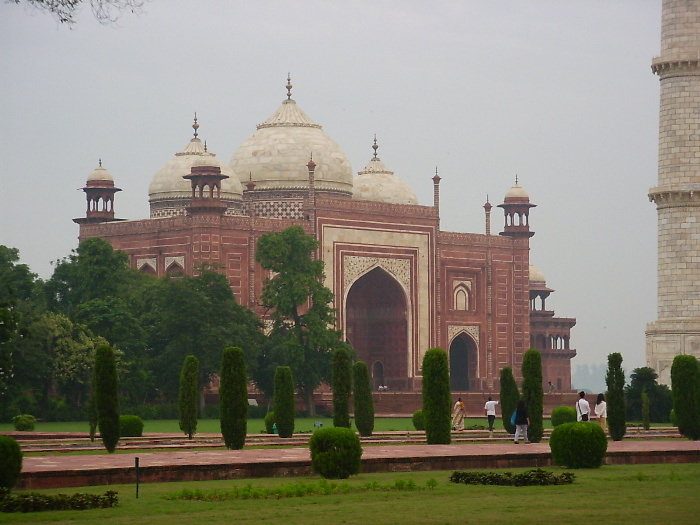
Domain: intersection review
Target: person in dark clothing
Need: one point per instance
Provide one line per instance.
(521, 421)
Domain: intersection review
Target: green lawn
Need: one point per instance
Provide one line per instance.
(647, 494)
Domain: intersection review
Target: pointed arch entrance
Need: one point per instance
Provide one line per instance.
(463, 364)
(377, 327)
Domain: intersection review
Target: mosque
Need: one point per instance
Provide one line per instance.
(401, 285)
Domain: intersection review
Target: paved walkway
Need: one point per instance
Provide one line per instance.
(180, 465)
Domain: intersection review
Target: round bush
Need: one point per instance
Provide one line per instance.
(418, 420)
(10, 462)
(561, 415)
(269, 421)
(578, 445)
(24, 422)
(131, 426)
(335, 452)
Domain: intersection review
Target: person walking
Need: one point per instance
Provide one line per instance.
(601, 411)
(521, 421)
(458, 413)
(582, 407)
(490, 408)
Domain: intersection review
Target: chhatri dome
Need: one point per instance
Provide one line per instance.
(377, 183)
(276, 155)
(100, 174)
(536, 277)
(169, 194)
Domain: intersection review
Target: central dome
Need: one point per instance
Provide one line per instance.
(276, 155)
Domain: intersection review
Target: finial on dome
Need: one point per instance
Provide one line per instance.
(289, 87)
(516, 179)
(100, 162)
(375, 147)
(195, 126)
(436, 177)
(205, 146)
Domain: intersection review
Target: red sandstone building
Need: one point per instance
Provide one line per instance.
(401, 285)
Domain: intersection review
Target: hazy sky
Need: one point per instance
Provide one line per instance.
(558, 92)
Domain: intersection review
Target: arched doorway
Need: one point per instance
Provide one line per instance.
(463, 364)
(376, 323)
(377, 375)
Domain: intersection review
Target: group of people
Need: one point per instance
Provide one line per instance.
(459, 413)
(521, 420)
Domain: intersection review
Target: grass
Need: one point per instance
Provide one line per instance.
(612, 494)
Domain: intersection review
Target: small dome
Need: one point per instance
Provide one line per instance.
(100, 174)
(517, 192)
(377, 183)
(170, 194)
(275, 156)
(536, 276)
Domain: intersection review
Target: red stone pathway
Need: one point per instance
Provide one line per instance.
(107, 469)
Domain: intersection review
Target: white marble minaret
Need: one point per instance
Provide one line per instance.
(677, 196)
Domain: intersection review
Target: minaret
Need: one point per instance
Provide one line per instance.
(677, 196)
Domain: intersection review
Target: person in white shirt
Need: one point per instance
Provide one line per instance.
(490, 408)
(601, 411)
(582, 407)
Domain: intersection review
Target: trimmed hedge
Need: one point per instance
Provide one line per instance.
(615, 380)
(533, 394)
(418, 420)
(335, 452)
(362, 399)
(437, 400)
(685, 388)
(24, 422)
(284, 402)
(10, 462)
(528, 478)
(341, 387)
(36, 502)
(131, 426)
(233, 398)
(578, 445)
(561, 415)
(270, 422)
(106, 390)
(509, 397)
(188, 396)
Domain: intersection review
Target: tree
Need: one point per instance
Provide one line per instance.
(509, 397)
(65, 11)
(685, 386)
(660, 399)
(362, 398)
(187, 399)
(300, 307)
(437, 400)
(533, 394)
(342, 387)
(284, 401)
(17, 284)
(615, 379)
(233, 396)
(106, 389)
(194, 316)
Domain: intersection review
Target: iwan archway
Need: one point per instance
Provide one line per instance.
(377, 327)
(463, 364)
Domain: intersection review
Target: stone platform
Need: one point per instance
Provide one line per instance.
(58, 470)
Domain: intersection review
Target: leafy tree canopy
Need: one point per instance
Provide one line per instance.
(65, 11)
(299, 306)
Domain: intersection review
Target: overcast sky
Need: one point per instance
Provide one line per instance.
(558, 92)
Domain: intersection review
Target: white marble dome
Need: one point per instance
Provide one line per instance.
(169, 194)
(377, 183)
(517, 192)
(276, 155)
(536, 276)
(100, 174)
